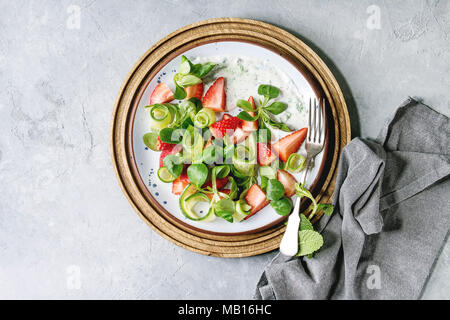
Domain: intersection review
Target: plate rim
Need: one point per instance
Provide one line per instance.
(233, 246)
(134, 108)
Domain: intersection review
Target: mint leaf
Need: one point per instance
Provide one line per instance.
(326, 208)
(305, 224)
(301, 191)
(309, 241)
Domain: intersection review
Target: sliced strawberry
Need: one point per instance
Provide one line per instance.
(161, 94)
(220, 183)
(215, 97)
(209, 142)
(251, 125)
(160, 146)
(226, 116)
(265, 154)
(256, 198)
(170, 149)
(180, 183)
(220, 128)
(288, 181)
(195, 91)
(239, 135)
(290, 144)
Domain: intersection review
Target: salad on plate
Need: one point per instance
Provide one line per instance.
(224, 166)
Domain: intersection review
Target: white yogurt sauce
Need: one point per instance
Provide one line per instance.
(243, 75)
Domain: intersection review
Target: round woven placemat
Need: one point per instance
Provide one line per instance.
(223, 29)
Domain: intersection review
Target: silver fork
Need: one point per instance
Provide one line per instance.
(314, 144)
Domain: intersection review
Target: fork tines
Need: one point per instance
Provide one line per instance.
(316, 125)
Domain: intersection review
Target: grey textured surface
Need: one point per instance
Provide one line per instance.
(66, 230)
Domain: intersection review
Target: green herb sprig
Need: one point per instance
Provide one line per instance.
(189, 74)
(265, 111)
(310, 240)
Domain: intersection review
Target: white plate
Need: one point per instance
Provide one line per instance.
(275, 69)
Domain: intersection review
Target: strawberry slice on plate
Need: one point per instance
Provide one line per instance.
(195, 91)
(251, 125)
(239, 135)
(180, 183)
(208, 143)
(265, 155)
(220, 183)
(215, 97)
(160, 146)
(161, 94)
(169, 149)
(227, 125)
(256, 199)
(290, 144)
(288, 181)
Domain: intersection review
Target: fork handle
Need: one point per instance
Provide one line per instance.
(289, 243)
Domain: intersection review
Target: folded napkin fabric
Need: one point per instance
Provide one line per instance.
(391, 217)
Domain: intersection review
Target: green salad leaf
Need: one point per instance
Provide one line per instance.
(201, 70)
(189, 74)
(275, 190)
(276, 125)
(282, 206)
(233, 188)
(150, 140)
(326, 208)
(179, 93)
(171, 135)
(185, 65)
(224, 208)
(197, 174)
(243, 115)
(302, 191)
(189, 80)
(276, 107)
(245, 105)
(264, 182)
(268, 91)
(174, 164)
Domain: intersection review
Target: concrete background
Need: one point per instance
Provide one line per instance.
(63, 217)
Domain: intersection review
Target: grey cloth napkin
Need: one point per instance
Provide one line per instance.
(391, 217)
